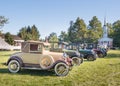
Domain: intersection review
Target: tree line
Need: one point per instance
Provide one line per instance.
(29, 33)
(78, 32)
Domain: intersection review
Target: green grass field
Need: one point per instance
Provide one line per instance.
(102, 72)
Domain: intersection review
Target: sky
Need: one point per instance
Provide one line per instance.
(55, 15)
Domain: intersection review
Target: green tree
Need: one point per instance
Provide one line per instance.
(35, 33)
(110, 30)
(116, 34)
(63, 36)
(53, 39)
(90, 35)
(96, 27)
(77, 31)
(81, 30)
(9, 39)
(3, 21)
(72, 33)
(29, 33)
(23, 33)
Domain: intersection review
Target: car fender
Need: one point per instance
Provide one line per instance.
(15, 58)
(89, 54)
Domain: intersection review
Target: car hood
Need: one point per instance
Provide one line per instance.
(84, 50)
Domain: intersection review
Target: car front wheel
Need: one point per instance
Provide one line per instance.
(61, 69)
(90, 58)
(76, 61)
(14, 66)
(100, 55)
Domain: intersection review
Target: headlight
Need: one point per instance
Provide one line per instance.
(93, 51)
(65, 55)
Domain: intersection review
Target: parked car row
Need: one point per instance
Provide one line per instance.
(36, 55)
(89, 54)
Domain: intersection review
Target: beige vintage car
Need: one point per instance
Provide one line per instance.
(36, 55)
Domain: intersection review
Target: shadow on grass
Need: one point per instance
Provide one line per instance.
(88, 61)
(117, 64)
(110, 55)
(6, 55)
(29, 72)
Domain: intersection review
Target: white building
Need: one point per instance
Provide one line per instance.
(5, 46)
(105, 41)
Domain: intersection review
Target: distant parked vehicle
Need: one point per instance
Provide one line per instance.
(90, 55)
(36, 55)
(75, 55)
(101, 52)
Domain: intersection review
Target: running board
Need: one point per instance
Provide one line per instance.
(32, 68)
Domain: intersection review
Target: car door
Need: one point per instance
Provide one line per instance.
(31, 58)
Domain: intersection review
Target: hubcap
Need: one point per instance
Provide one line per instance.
(90, 58)
(75, 61)
(14, 66)
(61, 69)
(100, 55)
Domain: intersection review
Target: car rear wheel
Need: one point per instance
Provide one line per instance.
(90, 58)
(14, 66)
(61, 69)
(76, 61)
(100, 55)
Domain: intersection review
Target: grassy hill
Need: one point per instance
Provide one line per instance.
(102, 72)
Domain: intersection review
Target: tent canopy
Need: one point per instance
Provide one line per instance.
(4, 45)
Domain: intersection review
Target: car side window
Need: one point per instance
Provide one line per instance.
(35, 48)
(40, 48)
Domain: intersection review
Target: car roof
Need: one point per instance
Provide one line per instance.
(37, 42)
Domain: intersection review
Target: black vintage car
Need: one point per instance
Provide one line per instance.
(90, 55)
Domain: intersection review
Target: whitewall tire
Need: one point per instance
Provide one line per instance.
(14, 66)
(76, 61)
(61, 69)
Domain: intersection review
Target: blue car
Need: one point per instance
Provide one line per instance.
(90, 55)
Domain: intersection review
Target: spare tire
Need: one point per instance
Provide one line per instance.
(46, 61)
